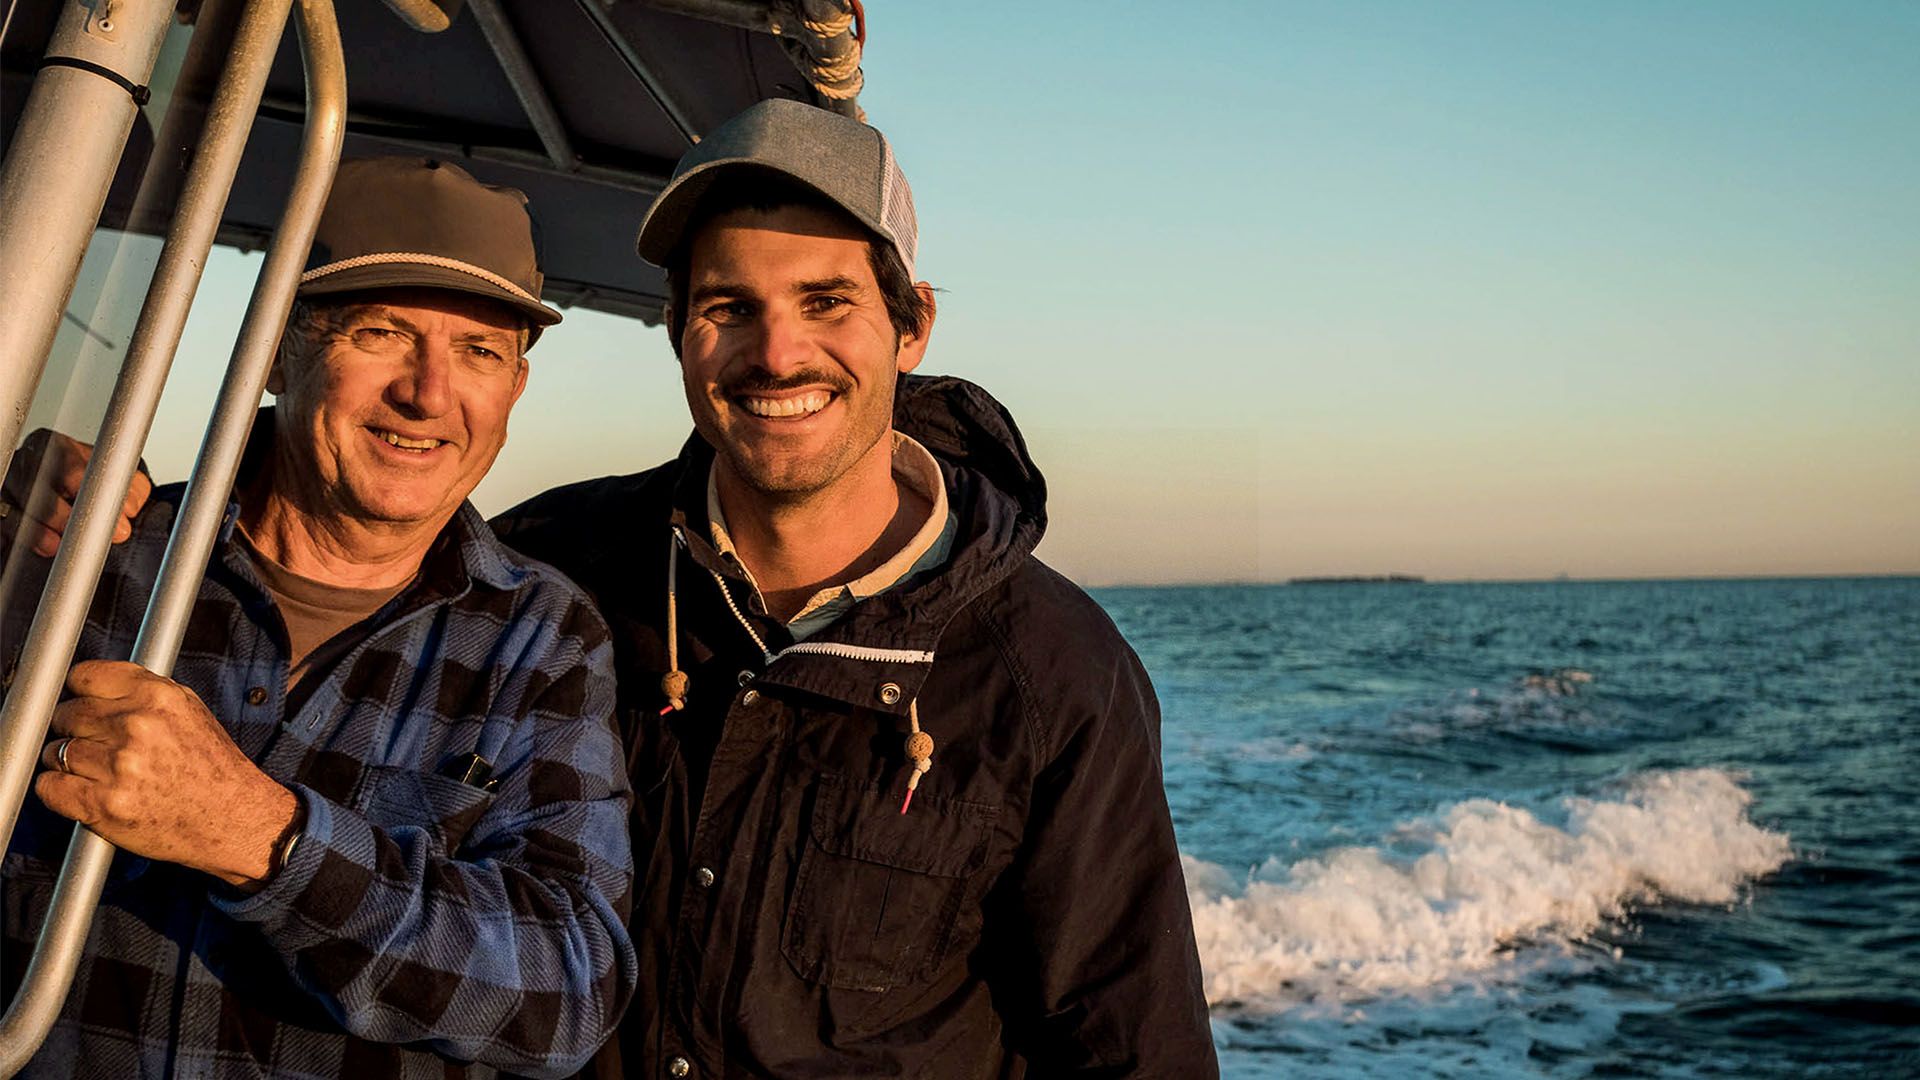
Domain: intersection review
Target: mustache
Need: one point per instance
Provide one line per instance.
(762, 382)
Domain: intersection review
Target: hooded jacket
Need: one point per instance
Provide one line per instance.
(1024, 916)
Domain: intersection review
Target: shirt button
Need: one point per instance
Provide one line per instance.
(257, 696)
(749, 697)
(703, 877)
(679, 1066)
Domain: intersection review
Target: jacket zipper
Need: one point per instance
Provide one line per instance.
(856, 652)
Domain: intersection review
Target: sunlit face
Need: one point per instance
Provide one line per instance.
(788, 356)
(394, 409)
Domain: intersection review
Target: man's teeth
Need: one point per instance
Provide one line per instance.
(798, 405)
(409, 444)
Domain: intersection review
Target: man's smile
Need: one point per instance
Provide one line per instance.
(411, 445)
(796, 406)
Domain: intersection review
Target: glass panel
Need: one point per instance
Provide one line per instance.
(91, 342)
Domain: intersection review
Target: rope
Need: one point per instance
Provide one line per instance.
(442, 261)
(823, 38)
(674, 683)
(826, 19)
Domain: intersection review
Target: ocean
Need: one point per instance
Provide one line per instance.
(1611, 829)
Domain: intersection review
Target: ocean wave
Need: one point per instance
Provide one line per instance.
(1364, 922)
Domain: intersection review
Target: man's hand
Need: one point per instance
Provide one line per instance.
(152, 771)
(42, 483)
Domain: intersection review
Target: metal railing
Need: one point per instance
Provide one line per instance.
(44, 133)
(54, 181)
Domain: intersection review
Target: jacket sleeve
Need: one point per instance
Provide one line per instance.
(510, 950)
(1100, 969)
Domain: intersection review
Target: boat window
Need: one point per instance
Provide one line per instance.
(98, 322)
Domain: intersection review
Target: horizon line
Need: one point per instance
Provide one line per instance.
(1558, 579)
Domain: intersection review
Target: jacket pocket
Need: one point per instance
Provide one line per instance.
(877, 893)
(397, 798)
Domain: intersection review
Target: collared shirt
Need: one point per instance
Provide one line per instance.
(916, 470)
(422, 921)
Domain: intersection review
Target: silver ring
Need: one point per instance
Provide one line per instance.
(60, 755)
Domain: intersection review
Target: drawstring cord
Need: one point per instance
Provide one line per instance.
(919, 749)
(674, 683)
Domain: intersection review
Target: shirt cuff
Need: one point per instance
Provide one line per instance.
(328, 827)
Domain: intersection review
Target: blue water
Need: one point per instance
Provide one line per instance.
(1568, 829)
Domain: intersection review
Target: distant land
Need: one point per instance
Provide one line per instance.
(1409, 579)
(1376, 579)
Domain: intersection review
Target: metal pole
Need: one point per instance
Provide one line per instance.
(520, 72)
(214, 471)
(123, 433)
(56, 175)
(62, 939)
(426, 16)
(637, 65)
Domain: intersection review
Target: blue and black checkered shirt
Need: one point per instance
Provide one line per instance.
(422, 923)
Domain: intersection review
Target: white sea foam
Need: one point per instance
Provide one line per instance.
(1362, 922)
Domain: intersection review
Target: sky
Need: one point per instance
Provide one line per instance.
(1470, 291)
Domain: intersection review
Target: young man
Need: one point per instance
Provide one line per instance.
(375, 825)
(898, 798)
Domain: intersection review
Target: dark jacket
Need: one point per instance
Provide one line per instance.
(1025, 917)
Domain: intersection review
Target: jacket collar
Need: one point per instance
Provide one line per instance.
(999, 499)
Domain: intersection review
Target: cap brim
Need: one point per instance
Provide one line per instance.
(667, 218)
(419, 275)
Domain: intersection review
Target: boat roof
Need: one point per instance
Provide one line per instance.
(630, 85)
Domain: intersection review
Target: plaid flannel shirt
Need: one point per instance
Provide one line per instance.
(423, 926)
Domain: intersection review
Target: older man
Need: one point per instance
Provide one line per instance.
(375, 825)
(847, 559)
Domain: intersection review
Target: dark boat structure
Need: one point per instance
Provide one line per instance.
(222, 121)
(583, 104)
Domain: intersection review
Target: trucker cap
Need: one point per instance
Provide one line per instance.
(395, 221)
(843, 159)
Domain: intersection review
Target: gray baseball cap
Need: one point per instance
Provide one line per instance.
(398, 221)
(843, 159)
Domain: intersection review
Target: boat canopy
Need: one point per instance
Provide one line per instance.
(582, 104)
